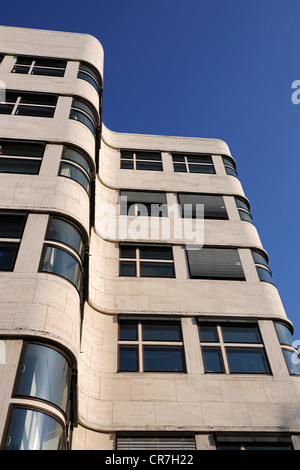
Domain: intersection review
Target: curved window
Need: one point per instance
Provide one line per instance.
(81, 111)
(230, 166)
(284, 334)
(34, 430)
(75, 165)
(244, 209)
(262, 268)
(62, 231)
(59, 261)
(45, 374)
(89, 74)
(290, 352)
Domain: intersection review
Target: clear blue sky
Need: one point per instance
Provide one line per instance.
(205, 68)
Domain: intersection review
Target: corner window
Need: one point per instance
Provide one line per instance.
(40, 66)
(22, 103)
(290, 352)
(230, 166)
(11, 230)
(75, 165)
(150, 346)
(244, 209)
(215, 263)
(65, 255)
(84, 113)
(146, 261)
(261, 263)
(21, 156)
(34, 430)
(229, 348)
(214, 206)
(193, 163)
(89, 74)
(144, 203)
(141, 160)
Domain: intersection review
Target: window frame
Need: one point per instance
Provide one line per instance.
(287, 348)
(17, 104)
(138, 260)
(134, 203)
(91, 76)
(32, 66)
(91, 118)
(13, 240)
(88, 175)
(263, 266)
(135, 159)
(221, 345)
(243, 208)
(186, 163)
(141, 343)
(222, 213)
(230, 166)
(22, 158)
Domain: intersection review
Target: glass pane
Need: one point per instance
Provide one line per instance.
(45, 374)
(259, 258)
(178, 158)
(24, 60)
(65, 232)
(34, 430)
(89, 79)
(213, 361)
(180, 167)
(268, 447)
(228, 447)
(128, 330)
(155, 269)
(8, 254)
(6, 108)
(22, 166)
(126, 165)
(155, 166)
(77, 157)
(163, 359)
(242, 203)
(79, 116)
(285, 335)
(229, 162)
(128, 358)
(148, 156)
(37, 98)
(70, 171)
(293, 361)
(86, 108)
(247, 361)
(240, 334)
(20, 69)
(264, 274)
(21, 149)
(230, 171)
(199, 159)
(127, 268)
(59, 63)
(11, 226)
(39, 111)
(89, 69)
(128, 251)
(245, 216)
(208, 333)
(161, 331)
(48, 72)
(60, 262)
(153, 252)
(201, 168)
(126, 154)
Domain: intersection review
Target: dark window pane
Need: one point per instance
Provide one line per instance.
(126, 165)
(38, 98)
(126, 154)
(45, 374)
(23, 166)
(39, 111)
(127, 268)
(89, 79)
(79, 116)
(161, 331)
(128, 330)
(285, 335)
(6, 108)
(213, 359)
(230, 171)
(59, 63)
(201, 168)
(268, 447)
(128, 358)
(65, 232)
(86, 108)
(155, 269)
(153, 252)
(77, 157)
(259, 258)
(251, 361)
(199, 159)
(20, 69)
(208, 333)
(70, 171)
(245, 216)
(240, 334)
(148, 156)
(128, 251)
(8, 254)
(57, 261)
(163, 359)
(34, 430)
(229, 162)
(293, 361)
(48, 72)
(264, 274)
(180, 167)
(21, 149)
(228, 447)
(242, 203)
(24, 60)
(178, 158)
(155, 166)
(11, 226)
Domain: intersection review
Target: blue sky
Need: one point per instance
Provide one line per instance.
(205, 68)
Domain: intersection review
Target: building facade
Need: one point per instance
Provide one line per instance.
(137, 306)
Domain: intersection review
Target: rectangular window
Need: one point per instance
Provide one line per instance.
(193, 163)
(40, 66)
(168, 442)
(214, 206)
(23, 103)
(232, 348)
(145, 203)
(11, 230)
(146, 261)
(141, 160)
(21, 156)
(215, 263)
(267, 442)
(150, 346)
